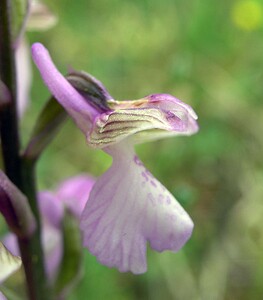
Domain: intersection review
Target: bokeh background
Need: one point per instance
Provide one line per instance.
(209, 54)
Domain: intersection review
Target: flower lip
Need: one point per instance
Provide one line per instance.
(117, 224)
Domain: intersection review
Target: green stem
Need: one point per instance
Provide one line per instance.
(19, 171)
(9, 132)
(32, 254)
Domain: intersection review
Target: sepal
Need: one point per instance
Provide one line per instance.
(15, 208)
(91, 89)
(150, 118)
(74, 103)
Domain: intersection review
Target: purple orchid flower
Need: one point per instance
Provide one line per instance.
(127, 206)
(71, 194)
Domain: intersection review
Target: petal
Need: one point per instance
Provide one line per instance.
(76, 105)
(74, 193)
(9, 263)
(15, 208)
(153, 117)
(51, 208)
(91, 89)
(128, 207)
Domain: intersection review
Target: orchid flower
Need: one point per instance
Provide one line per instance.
(127, 206)
(71, 194)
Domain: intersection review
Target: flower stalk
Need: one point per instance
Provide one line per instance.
(19, 171)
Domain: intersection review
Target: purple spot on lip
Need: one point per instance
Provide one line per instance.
(144, 175)
(137, 161)
(171, 116)
(153, 183)
(168, 200)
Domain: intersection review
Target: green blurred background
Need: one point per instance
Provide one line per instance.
(209, 54)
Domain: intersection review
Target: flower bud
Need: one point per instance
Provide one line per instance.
(15, 208)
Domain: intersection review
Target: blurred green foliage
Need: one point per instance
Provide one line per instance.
(209, 54)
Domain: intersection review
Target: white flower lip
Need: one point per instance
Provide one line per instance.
(128, 207)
